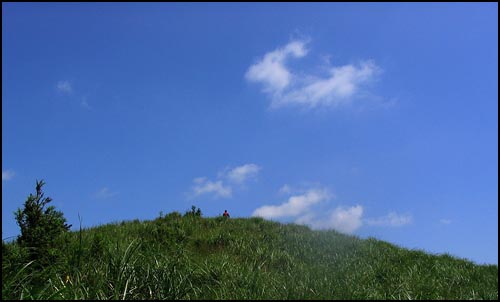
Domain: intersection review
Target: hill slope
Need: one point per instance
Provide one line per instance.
(189, 257)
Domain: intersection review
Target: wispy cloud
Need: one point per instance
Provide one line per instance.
(285, 189)
(445, 221)
(295, 206)
(226, 180)
(104, 193)
(338, 88)
(7, 175)
(204, 186)
(243, 173)
(84, 103)
(64, 87)
(287, 88)
(392, 219)
(271, 70)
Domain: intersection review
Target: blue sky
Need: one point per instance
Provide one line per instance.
(372, 119)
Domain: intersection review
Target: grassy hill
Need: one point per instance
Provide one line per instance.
(190, 257)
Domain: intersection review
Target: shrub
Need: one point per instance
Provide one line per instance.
(173, 216)
(194, 212)
(41, 227)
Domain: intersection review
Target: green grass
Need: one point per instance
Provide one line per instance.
(186, 257)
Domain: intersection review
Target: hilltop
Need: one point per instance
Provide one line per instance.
(191, 257)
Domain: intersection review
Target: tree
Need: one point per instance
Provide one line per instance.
(40, 226)
(194, 212)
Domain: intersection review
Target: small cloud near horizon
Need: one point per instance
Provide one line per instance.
(104, 193)
(300, 207)
(392, 219)
(223, 187)
(202, 185)
(7, 175)
(345, 219)
(295, 206)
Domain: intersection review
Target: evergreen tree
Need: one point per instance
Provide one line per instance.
(41, 226)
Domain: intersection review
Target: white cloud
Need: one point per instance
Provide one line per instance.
(271, 70)
(223, 187)
(204, 186)
(303, 208)
(342, 84)
(242, 173)
(64, 87)
(306, 219)
(346, 220)
(84, 103)
(285, 189)
(338, 88)
(445, 221)
(343, 219)
(295, 206)
(104, 193)
(392, 219)
(7, 175)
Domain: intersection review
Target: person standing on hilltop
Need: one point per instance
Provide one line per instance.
(226, 214)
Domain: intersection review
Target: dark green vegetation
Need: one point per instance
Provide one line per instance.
(41, 227)
(191, 257)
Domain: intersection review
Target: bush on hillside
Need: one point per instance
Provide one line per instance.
(41, 227)
(194, 212)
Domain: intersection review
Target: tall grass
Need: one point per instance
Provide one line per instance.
(189, 257)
